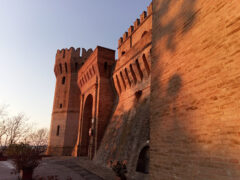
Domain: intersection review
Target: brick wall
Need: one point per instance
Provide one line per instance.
(65, 113)
(195, 93)
(128, 130)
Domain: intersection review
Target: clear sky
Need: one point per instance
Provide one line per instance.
(31, 31)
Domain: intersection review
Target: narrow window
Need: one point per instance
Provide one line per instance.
(60, 67)
(139, 69)
(76, 67)
(133, 74)
(60, 106)
(146, 64)
(123, 52)
(66, 67)
(105, 66)
(64, 53)
(58, 130)
(63, 80)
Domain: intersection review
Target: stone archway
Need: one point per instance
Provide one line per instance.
(86, 125)
(143, 161)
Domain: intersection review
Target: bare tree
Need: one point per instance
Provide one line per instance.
(17, 129)
(3, 128)
(39, 137)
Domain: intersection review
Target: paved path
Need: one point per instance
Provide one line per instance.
(63, 169)
(56, 168)
(7, 171)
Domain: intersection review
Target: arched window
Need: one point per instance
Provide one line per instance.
(65, 67)
(143, 161)
(63, 80)
(58, 130)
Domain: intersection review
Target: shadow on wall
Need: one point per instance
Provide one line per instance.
(182, 22)
(181, 155)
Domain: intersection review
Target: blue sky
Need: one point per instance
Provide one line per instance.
(31, 31)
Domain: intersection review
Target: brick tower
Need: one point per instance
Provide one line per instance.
(65, 114)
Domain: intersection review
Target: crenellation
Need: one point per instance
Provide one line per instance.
(72, 52)
(135, 26)
(120, 41)
(150, 9)
(125, 36)
(130, 30)
(143, 16)
(136, 23)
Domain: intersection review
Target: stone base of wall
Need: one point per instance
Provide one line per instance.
(59, 151)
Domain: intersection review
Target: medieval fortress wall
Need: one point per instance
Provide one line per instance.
(174, 89)
(195, 97)
(101, 105)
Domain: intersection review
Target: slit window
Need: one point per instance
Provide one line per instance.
(63, 80)
(60, 68)
(60, 106)
(58, 130)
(66, 67)
(76, 67)
(105, 66)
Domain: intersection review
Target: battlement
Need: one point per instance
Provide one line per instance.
(72, 52)
(135, 26)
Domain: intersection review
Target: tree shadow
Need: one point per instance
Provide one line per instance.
(177, 150)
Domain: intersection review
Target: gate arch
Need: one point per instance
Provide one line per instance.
(86, 125)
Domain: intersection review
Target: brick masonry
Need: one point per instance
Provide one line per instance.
(103, 106)
(195, 93)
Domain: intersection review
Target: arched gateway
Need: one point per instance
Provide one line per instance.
(86, 124)
(96, 100)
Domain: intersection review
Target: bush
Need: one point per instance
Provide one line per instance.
(24, 156)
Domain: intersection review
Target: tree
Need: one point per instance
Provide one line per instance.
(17, 129)
(39, 137)
(3, 128)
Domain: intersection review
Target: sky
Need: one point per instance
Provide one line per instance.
(31, 31)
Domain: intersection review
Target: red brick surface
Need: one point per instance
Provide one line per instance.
(195, 91)
(65, 112)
